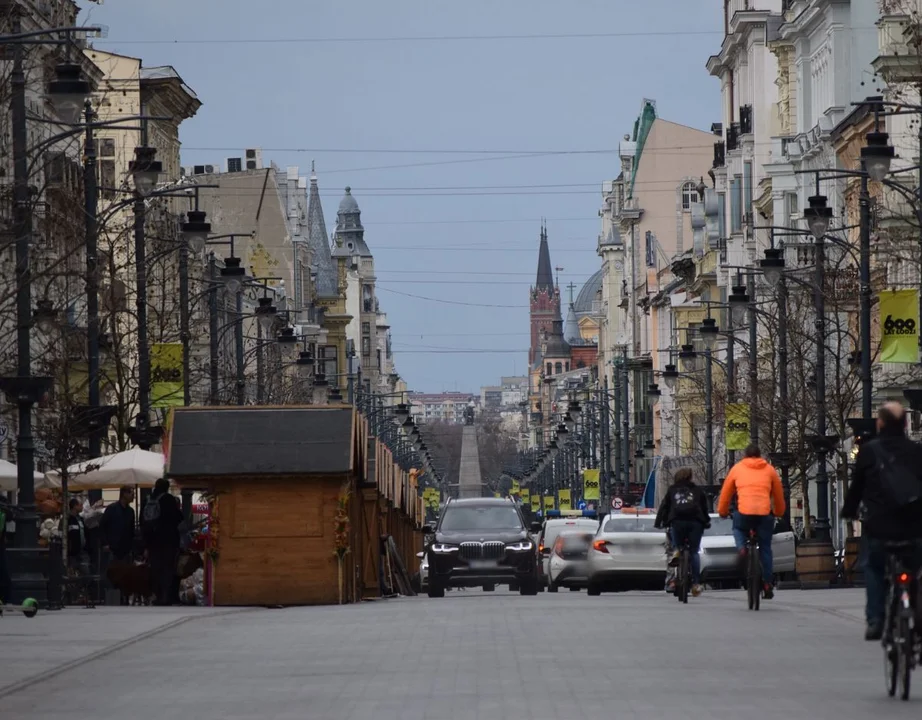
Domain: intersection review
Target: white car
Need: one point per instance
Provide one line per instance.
(627, 553)
(423, 571)
(567, 565)
(719, 563)
(585, 521)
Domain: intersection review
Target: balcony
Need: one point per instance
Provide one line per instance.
(720, 158)
(898, 39)
(733, 137)
(745, 123)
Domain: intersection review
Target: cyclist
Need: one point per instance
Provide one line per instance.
(684, 510)
(886, 479)
(758, 491)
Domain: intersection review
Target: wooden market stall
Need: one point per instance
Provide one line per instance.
(282, 483)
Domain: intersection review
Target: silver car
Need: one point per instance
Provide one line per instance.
(568, 564)
(553, 526)
(423, 571)
(627, 553)
(719, 556)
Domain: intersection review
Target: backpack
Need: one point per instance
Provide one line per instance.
(899, 484)
(684, 502)
(150, 519)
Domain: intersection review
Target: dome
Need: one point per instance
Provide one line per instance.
(588, 294)
(348, 205)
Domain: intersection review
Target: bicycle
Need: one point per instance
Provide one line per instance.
(754, 570)
(900, 640)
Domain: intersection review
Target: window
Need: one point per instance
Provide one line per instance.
(650, 239)
(722, 215)
(329, 361)
(558, 368)
(106, 147)
(107, 189)
(736, 205)
(366, 347)
(485, 517)
(550, 369)
(366, 328)
(747, 188)
(689, 196)
(567, 367)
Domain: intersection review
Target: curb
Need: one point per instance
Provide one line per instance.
(60, 669)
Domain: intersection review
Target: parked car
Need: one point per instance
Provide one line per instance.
(719, 557)
(568, 564)
(481, 542)
(627, 553)
(556, 522)
(423, 571)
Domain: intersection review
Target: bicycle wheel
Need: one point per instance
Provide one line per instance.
(904, 657)
(890, 668)
(755, 578)
(686, 577)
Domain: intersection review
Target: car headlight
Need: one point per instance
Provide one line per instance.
(443, 548)
(521, 546)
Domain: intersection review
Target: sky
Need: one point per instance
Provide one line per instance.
(456, 133)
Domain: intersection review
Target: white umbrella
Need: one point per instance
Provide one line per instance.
(8, 476)
(132, 467)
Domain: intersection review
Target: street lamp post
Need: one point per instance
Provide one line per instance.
(708, 333)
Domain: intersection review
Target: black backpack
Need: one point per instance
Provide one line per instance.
(684, 502)
(899, 484)
(150, 519)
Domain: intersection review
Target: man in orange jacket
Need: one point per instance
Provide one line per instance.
(758, 490)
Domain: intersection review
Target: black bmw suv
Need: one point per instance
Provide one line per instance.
(482, 542)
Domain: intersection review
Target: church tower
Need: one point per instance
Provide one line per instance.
(544, 301)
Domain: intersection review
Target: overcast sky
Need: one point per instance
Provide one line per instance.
(340, 82)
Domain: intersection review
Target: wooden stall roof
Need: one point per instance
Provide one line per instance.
(253, 441)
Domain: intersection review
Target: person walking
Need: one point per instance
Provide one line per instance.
(161, 519)
(117, 532)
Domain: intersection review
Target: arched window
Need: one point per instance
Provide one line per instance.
(567, 367)
(559, 368)
(689, 195)
(550, 369)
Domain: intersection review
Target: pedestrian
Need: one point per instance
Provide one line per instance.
(887, 481)
(76, 535)
(160, 526)
(117, 530)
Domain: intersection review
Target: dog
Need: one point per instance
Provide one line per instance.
(133, 580)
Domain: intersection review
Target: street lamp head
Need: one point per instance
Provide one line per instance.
(232, 275)
(68, 92)
(688, 357)
(653, 390)
(877, 155)
(575, 410)
(649, 447)
(569, 422)
(320, 380)
(670, 376)
(335, 395)
(708, 331)
(305, 364)
(739, 304)
(773, 265)
(562, 431)
(818, 216)
(287, 341)
(402, 411)
(145, 169)
(266, 313)
(45, 316)
(195, 230)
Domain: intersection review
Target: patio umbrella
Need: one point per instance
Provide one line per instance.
(8, 476)
(131, 467)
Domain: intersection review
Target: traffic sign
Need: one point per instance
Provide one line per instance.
(617, 503)
(581, 505)
(4, 431)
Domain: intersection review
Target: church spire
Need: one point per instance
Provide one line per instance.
(545, 279)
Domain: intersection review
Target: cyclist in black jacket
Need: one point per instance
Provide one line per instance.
(684, 510)
(886, 518)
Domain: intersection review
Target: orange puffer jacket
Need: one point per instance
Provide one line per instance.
(757, 486)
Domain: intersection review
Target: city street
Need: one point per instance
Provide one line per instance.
(472, 655)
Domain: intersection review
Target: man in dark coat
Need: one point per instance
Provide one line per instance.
(684, 510)
(160, 526)
(885, 517)
(117, 529)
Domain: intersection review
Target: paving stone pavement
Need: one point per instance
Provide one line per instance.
(491, 656)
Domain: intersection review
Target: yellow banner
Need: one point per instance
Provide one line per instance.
(166, 388)
(591, 485)
(899, 326)
(525, 495)
(563, 497)
(736, 430)
(515, 487)
(535, 503)
(548, 502)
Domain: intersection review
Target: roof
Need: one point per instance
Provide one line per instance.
(349, 226)
(545, 279)
(557, 347)
(319, 244)
(230, 441)
(166, 72)
(481, 501)
(588, 294)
